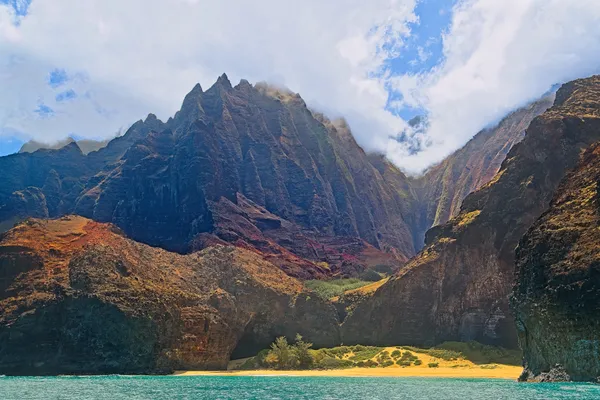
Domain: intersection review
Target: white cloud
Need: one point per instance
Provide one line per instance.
(139, 56)
(143, 56)
(498, 55)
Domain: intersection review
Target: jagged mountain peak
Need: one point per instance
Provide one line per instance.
(151, 118)
(244, 84)
(223, 81)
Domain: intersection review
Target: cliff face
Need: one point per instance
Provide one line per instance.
(229, 155)
(78, 297)
(457, 288)
(556, 299)
(442, 189)
(245, 140)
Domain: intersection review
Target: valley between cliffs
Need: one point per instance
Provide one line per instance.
(458, 287)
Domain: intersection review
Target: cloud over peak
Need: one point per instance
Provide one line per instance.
(100, 65)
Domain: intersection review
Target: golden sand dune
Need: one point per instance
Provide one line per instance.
(459, 368)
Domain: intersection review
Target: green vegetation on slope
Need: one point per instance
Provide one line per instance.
(335, 287)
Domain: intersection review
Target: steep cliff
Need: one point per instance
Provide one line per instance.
(556, 298)
(78, 297)
(442, 189)
(457, 288)
(247, 140)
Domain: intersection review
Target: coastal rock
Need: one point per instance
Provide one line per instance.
(77, 297)
(556, 299)
(457, 288)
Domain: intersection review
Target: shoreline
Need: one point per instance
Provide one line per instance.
(509, 372)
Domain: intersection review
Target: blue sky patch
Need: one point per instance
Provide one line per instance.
(66, 95)
(57, 77)
(44, 111)
(20, 6)
(10, 145)
(423, 50)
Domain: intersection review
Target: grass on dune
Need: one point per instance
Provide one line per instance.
(476, 352)
(300, 355)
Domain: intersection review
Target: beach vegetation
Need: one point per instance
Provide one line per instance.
(365, 353)
(299, 355)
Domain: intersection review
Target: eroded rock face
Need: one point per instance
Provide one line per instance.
(78, 297)
(240, 140)
(556, 299)
(442, 189)
(457, 288)
(30, 202)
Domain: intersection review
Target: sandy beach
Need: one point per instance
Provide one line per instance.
(457, 368)
(499, 372)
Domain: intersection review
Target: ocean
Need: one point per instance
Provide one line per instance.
(284, 388)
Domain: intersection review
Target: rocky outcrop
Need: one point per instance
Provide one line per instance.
(556, 298)
(78, 297)
(457, 288)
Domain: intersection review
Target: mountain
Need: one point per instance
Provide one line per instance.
(254, 166)
(442, 189)
(86, 145)
(457, 288)
(248, 165)
(556, 299)
(77, 297)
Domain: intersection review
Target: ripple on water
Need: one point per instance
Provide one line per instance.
(283, 388)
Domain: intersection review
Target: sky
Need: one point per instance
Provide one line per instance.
(90, 68)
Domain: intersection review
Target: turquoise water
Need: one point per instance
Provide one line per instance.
(292, 388)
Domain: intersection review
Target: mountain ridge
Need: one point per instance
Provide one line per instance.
(262, 147)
